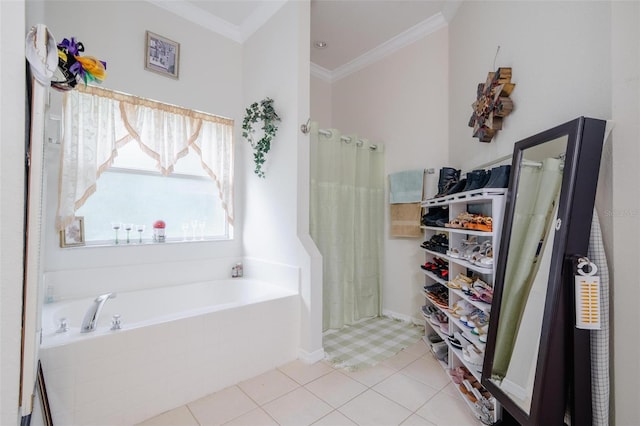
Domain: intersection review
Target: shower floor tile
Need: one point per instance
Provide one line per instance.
(300, 394)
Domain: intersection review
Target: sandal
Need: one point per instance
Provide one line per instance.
(484, 223)
(473, 355)
(461, 308)
(459, 281)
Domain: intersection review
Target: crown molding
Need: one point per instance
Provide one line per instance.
(201, 17)
(413, 34)
(321, 73)
(259, 17)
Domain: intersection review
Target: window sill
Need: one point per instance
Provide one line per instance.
(136, 243)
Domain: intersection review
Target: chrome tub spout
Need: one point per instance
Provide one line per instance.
(90, 320)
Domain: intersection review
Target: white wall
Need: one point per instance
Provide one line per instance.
(559, 52)
(12, 136)
(401, 101)
(569, 59)
(210, 80)
(276, 65)
(624, 215)
(321, 102)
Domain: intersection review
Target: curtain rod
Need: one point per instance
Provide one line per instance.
(346, 139)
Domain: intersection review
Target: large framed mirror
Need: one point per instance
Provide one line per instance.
(534, 354)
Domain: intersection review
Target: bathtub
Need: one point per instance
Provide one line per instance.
(176, 344)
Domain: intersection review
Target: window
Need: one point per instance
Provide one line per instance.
(131, 161)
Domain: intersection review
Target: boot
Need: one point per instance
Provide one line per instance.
(476, 179)
(448, 178)
(499, 177)
(458, 187)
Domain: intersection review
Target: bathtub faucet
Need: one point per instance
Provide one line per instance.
(90, 320)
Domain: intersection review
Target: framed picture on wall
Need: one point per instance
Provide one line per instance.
(73, 234)
(162, 55)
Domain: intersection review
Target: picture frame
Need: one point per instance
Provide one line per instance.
(73, 234)
(162, 55)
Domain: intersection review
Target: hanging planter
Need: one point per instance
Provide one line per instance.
(260, 112)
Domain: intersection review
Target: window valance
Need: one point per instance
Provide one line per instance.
(96, 122)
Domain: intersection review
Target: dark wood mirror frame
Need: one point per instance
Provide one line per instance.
(563, 372)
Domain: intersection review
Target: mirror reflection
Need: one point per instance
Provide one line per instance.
(527, 269)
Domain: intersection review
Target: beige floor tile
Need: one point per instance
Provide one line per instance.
(401, 359)
(222, 406)
(372, 375)
(418, 348)
(256, 417)
(450, 389)
(335, 388)
(304, 373)
(446, 410)
(371, 408)
(178, 416)
(428, 371)
(297, 408)
(406, 391)
(416, 420)
(334, 418)
(268, 386)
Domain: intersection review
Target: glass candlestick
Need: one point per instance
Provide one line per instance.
(140, 229)
(128, 227)
(116, 226)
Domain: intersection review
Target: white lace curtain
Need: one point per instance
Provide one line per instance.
(97, 122)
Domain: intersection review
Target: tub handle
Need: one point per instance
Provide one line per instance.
(116, 323)
(63, 327)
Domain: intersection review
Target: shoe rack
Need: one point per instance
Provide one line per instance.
(443, 296)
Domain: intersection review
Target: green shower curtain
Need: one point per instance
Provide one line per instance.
(346, 223)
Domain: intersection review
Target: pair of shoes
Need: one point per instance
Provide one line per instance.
(484, 256)
(455, 342)
(460, 221)
(459, 281)
(440, 300)
(473, 355)
(479, 223)
(449, 177)
(477, 179)
(428, 310)
(458, 374)
(434, 215)
(481, 291)
(477, 318)
(462, 308)
(438, 267)
(437, 243)
(497, 177)
(434, 338)
(440, 350)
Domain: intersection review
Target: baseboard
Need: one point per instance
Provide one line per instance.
(311, 357)
(402, 317)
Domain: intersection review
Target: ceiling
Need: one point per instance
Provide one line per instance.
(356, 31)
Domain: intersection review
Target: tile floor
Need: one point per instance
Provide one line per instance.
(410, 388)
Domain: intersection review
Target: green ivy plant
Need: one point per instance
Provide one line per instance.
(260, 111)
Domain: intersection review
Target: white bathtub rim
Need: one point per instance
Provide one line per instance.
(50, 338)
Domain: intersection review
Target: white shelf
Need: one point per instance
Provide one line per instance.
(468, 197)
(473, 409)
(488, 201)
(483, 306)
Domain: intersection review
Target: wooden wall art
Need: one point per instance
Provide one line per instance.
(492, 104)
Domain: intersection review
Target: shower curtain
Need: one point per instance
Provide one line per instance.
(538, 192)
(346, 223)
